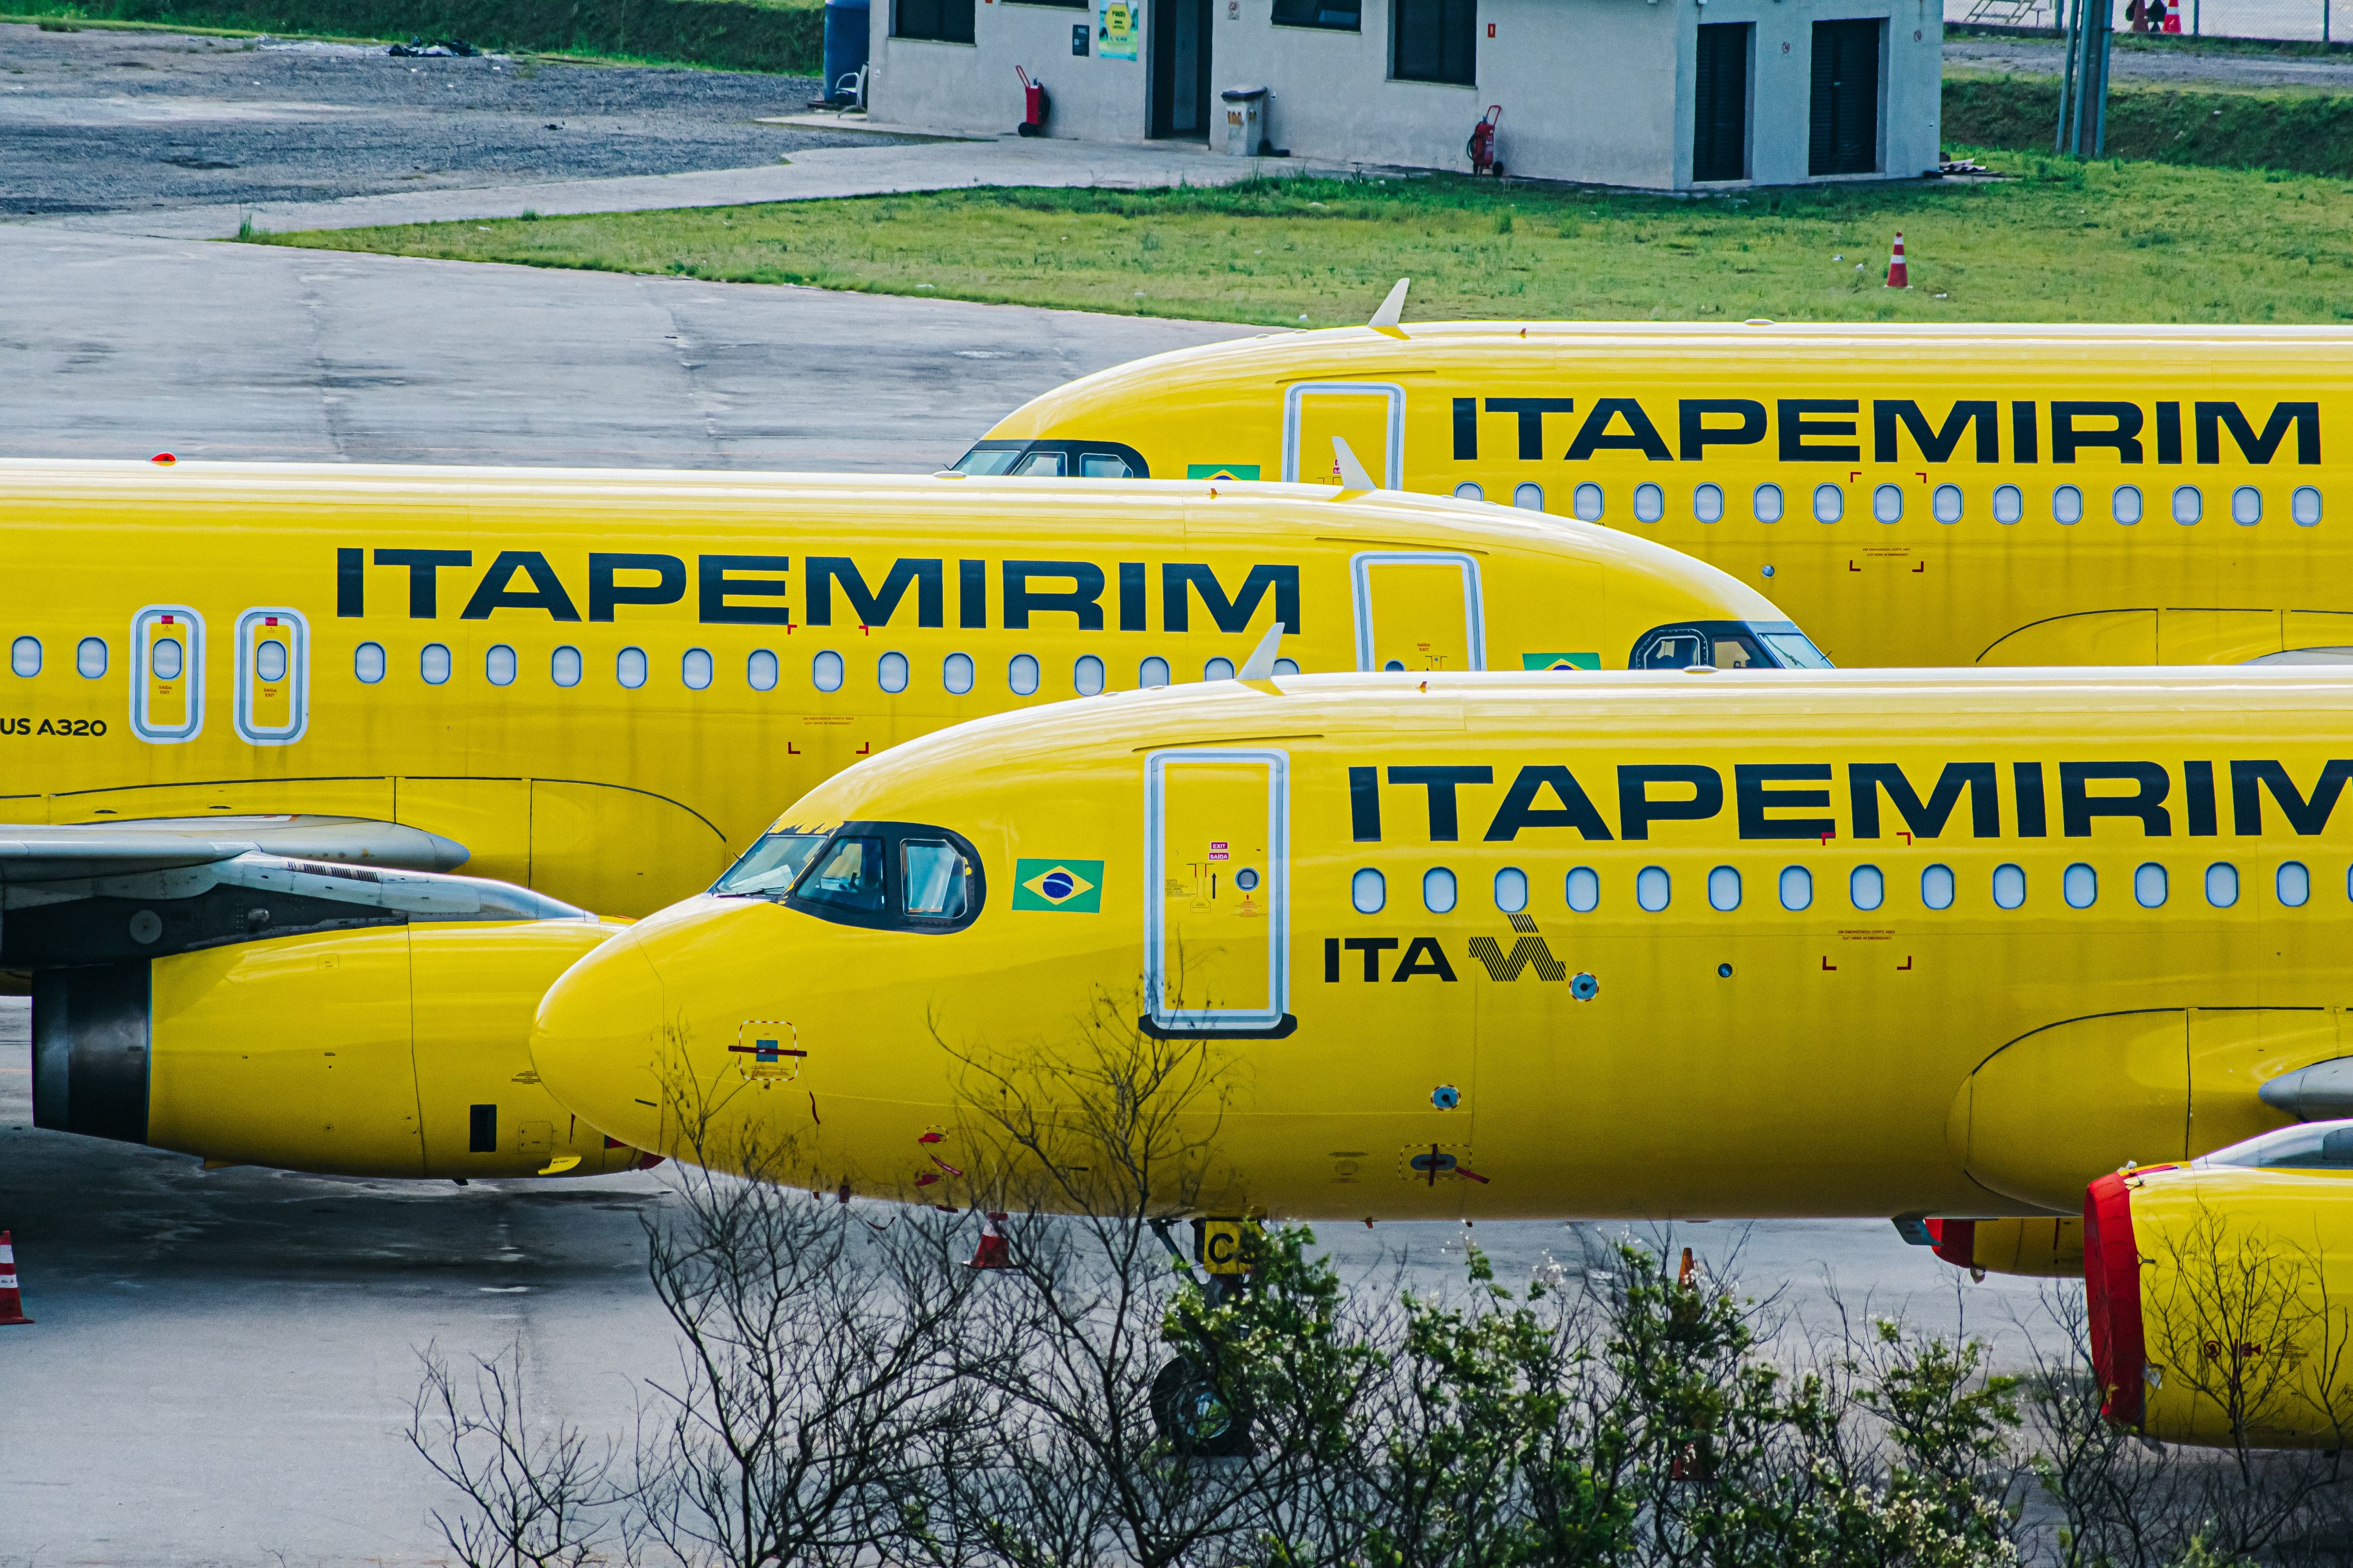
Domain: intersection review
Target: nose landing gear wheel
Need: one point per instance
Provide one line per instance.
(1193, 1418)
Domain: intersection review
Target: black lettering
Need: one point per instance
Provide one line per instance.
(1865, 779)
(972, 595)
(2125, 440)
(1698, 435)
(2307, 817)
(715, 587)
(1424, 957)
(351, 582)
(875, 609)
(2027, 777)
(1531, 411)
(606, 594)
(423, 598)
(1231, 615)
(1527, 952)
(1440, 782)
(1330, 961)
(2197, 788)
(2213, 417)
(1936, 446)
(1637, 810)
(1640, 434)
(1520, 809)
(1365, 804)
(1466, 429)
(2077, 805)
(1371, 947)
(1083, 599)
(497, 591)
(1752, 799)
(2169, 432)
(1131, 596)
(2025, 436)
(1796, 427)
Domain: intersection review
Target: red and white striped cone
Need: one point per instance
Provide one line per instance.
(991, 1253)
(12, 1301)
(1898, 276)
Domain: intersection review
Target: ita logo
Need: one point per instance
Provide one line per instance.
(1071, 885)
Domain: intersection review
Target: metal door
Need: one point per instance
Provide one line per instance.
(1369, 415)
(1419, 611)
(273, 677)
(1217, 891)
(167, 674)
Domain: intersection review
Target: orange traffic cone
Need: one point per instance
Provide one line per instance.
(12, 1303)
(1898, 276)
(991, 1253)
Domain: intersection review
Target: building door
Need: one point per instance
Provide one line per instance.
(1419, 611)
(1720, 102)
(1181, 69)
(1217, 891)
(1845, 138)
(1367, 414)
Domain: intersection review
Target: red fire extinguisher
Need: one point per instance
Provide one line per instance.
(1033, 105)
(1481, 147)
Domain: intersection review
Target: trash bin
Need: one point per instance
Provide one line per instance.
(846, 42)
(1245, 120)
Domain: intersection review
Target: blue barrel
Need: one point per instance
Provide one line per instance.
(846, 41)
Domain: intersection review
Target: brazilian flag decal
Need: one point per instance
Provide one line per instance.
(1221, 470)
(1070, 885)
(1560, 661)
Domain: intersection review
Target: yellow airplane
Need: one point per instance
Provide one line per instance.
(2026, 495)
(257, 715)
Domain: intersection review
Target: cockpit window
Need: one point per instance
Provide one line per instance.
(2320, 1146)
(769, 866)
(1790, 648)
(1059, 459)
(1727, 645)
(932, 875)
(850, 876)
(988, 459)
(1046, 465)
(888, 876)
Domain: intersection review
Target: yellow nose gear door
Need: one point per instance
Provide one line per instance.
(1419, 611)
(1369, 415)
(167, 674)
(273, 677)
(1217, 892)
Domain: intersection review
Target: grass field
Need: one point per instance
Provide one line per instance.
(2059, 241)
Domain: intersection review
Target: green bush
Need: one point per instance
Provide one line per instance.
(2302, 132)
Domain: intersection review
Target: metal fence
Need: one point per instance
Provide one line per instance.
(2297, 21)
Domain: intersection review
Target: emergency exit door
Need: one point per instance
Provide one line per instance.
(1217, 891)
(1369, 415)
(167, 674)
(273, 677)
(1419, 611)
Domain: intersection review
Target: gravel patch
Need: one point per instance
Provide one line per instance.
(2168, 67)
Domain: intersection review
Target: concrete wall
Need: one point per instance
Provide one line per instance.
(1595, 90)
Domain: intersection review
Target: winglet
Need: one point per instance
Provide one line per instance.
(1392, 310)
(1259, 665)
(1353, 476)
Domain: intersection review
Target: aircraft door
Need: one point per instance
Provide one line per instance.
(1217, 891)
(1369, 415)
(167, 674)
(1419, 611)
(273, 677)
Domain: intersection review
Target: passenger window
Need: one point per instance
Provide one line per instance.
(890, 672)
(849, 878)
(1946, 503)
(1768, 503)
(1866, 888)
(1286, 667)
(1368, 890)
(1042, 464)
(1528, 497)
(1021, 675)
(2188, 504)
(630, 667)
(1220, 668)
(2125, 504)
(2067, 504)
(1936, 887)
(1104, 466)
(2080, 885)
(956, 673)
(90, 659)
(2246, 505)
(2009, 503)
(2222, 884)
(1887, 503)
(1585, 501)
(1724, 888)
(433, 664)
(1152, 671)
(2304, 505)
(1830, 503)
(1707, 503)
(367, 663)
(932, 879)
(2294, 884)
(1511, 889)
(1652, 889)
(825, 671)
(1796, 888)
(498, 665)
(760, 670)
(166, 658)
(2148, 886)
(1650, 503)
(694, 668)
(1584, 889)
(25, 655)
(564, 666)
(1087, 676)
(2008, 887)
(1438, 890)
(1469, 491)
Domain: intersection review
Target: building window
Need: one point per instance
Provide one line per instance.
(1720, 103)
(942, 21)
(1845, 121)
(1435, 40)
(1349, 16)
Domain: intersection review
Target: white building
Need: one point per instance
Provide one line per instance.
(1666, 94)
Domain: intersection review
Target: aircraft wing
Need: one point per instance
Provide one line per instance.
(42, 853)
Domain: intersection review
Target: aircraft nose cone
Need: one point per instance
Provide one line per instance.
(599, 1042)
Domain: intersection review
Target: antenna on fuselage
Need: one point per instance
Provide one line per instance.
(1259, 665)
(1392, 310)
(1353, 479)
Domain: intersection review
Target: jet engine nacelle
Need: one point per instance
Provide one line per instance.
(2037, 1249)
(398, 1052)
